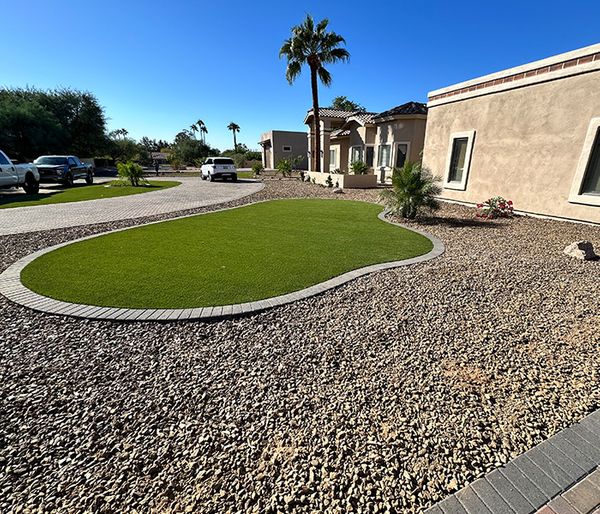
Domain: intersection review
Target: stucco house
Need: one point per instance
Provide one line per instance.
(284, 144)
(381, 140)
(530, 134)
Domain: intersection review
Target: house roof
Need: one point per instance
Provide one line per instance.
(407, 108)
(362, 117)
(340, 133)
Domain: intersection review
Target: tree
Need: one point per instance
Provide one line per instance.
(313, 46)
(234, 127)
(343, 104)
(413, 188)
(193, 129)
(203, 130)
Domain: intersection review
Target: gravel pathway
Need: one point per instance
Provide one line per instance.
(192, 193)
(383, 395)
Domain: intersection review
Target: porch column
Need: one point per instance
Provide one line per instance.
(325, 136)
(310, 135)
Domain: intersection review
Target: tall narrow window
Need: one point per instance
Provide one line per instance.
(356, 154)
(591, 179)
(332, 159)
(401, 153)
(369, 153)
(458, 160)
(383, 159)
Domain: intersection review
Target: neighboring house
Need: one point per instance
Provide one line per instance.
(382, 141)
(530, 134)
(282, 144)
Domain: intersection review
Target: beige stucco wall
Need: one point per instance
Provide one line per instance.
(527, 143)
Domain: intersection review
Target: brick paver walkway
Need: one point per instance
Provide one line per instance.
(558, 476)
(192, 193)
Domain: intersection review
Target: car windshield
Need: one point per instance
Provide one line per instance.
(55, 161)
(223, 161)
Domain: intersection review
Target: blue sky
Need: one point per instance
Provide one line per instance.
(157, 66)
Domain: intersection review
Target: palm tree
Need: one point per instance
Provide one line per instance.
(314, 46)
(194, 129)
(413, 187)
(202, 128)
(234, 127)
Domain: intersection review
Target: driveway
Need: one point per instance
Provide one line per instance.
(192, 193)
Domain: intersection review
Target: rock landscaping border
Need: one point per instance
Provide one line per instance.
(13, 289)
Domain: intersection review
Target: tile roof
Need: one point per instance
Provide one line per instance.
(364, 117)
(407, 108)
(331, 113)
(340, 133)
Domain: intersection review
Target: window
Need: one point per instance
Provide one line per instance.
(383, 158)
(401, 154)
(332, 159)
(586, 183)
(287, 148)
(591, 179)
(3, 160)
(72, 162)
(223, 161)
(208, 161)
(370, 151)
(459, 160)
(356, 154)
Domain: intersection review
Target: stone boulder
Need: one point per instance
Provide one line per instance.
(583, 250)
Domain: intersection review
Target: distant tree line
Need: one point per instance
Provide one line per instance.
(35, 122)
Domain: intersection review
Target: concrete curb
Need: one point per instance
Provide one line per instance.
(12, 288)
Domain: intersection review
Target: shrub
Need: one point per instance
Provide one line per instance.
(329, 181)
(257, 169)
(131, 172)
(413, 188)
(285, 167)
(495, 207)
(359, 168)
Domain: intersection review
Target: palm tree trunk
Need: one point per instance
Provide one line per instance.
(234, 142)
(316, 120)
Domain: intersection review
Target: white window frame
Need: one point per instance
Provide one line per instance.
(333, 163)
(289, 148)
(586, 154)
(462, 184)
(352, 148)
(379, 155)
(395, 150)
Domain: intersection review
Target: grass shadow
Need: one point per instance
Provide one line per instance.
(454, 222)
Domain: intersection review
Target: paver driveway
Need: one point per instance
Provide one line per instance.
(192, 193)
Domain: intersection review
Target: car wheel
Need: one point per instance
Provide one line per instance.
(234, 178)
(68, 181)
(202, 176)
(210, 178)
(89, 178)
(31, 186)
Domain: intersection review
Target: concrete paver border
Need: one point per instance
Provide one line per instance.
(12, 288)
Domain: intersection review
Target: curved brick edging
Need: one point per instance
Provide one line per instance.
(12, 288)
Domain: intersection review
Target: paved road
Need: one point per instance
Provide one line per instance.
(192, 193)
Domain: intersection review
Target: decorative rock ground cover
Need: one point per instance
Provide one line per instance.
(383, 395)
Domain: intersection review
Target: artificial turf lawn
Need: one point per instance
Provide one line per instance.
(233, 256)
(80, 192)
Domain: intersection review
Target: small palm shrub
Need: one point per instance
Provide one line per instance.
(329, 181)
(495, 207)
(413, 189)
(359, 168)
(131, 172)
(285, 167)
(257, 169)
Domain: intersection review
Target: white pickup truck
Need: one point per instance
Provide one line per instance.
(18, 175)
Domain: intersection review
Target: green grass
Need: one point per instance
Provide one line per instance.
(80, 192)
(238, 255)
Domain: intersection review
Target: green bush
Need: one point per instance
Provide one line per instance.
(359, 168)
(285, 167)
(257, 169)
(413, 188)
(329, 181)
(132, 173)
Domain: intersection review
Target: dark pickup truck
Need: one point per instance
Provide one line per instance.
(64, 169)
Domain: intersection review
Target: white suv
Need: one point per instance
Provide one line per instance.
(218, 167)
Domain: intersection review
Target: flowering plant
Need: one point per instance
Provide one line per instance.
(495, 207)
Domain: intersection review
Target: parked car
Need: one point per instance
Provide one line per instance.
(18, 175)
(218, 167)
(63, 169)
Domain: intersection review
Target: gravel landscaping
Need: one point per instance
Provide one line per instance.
(383, 395)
